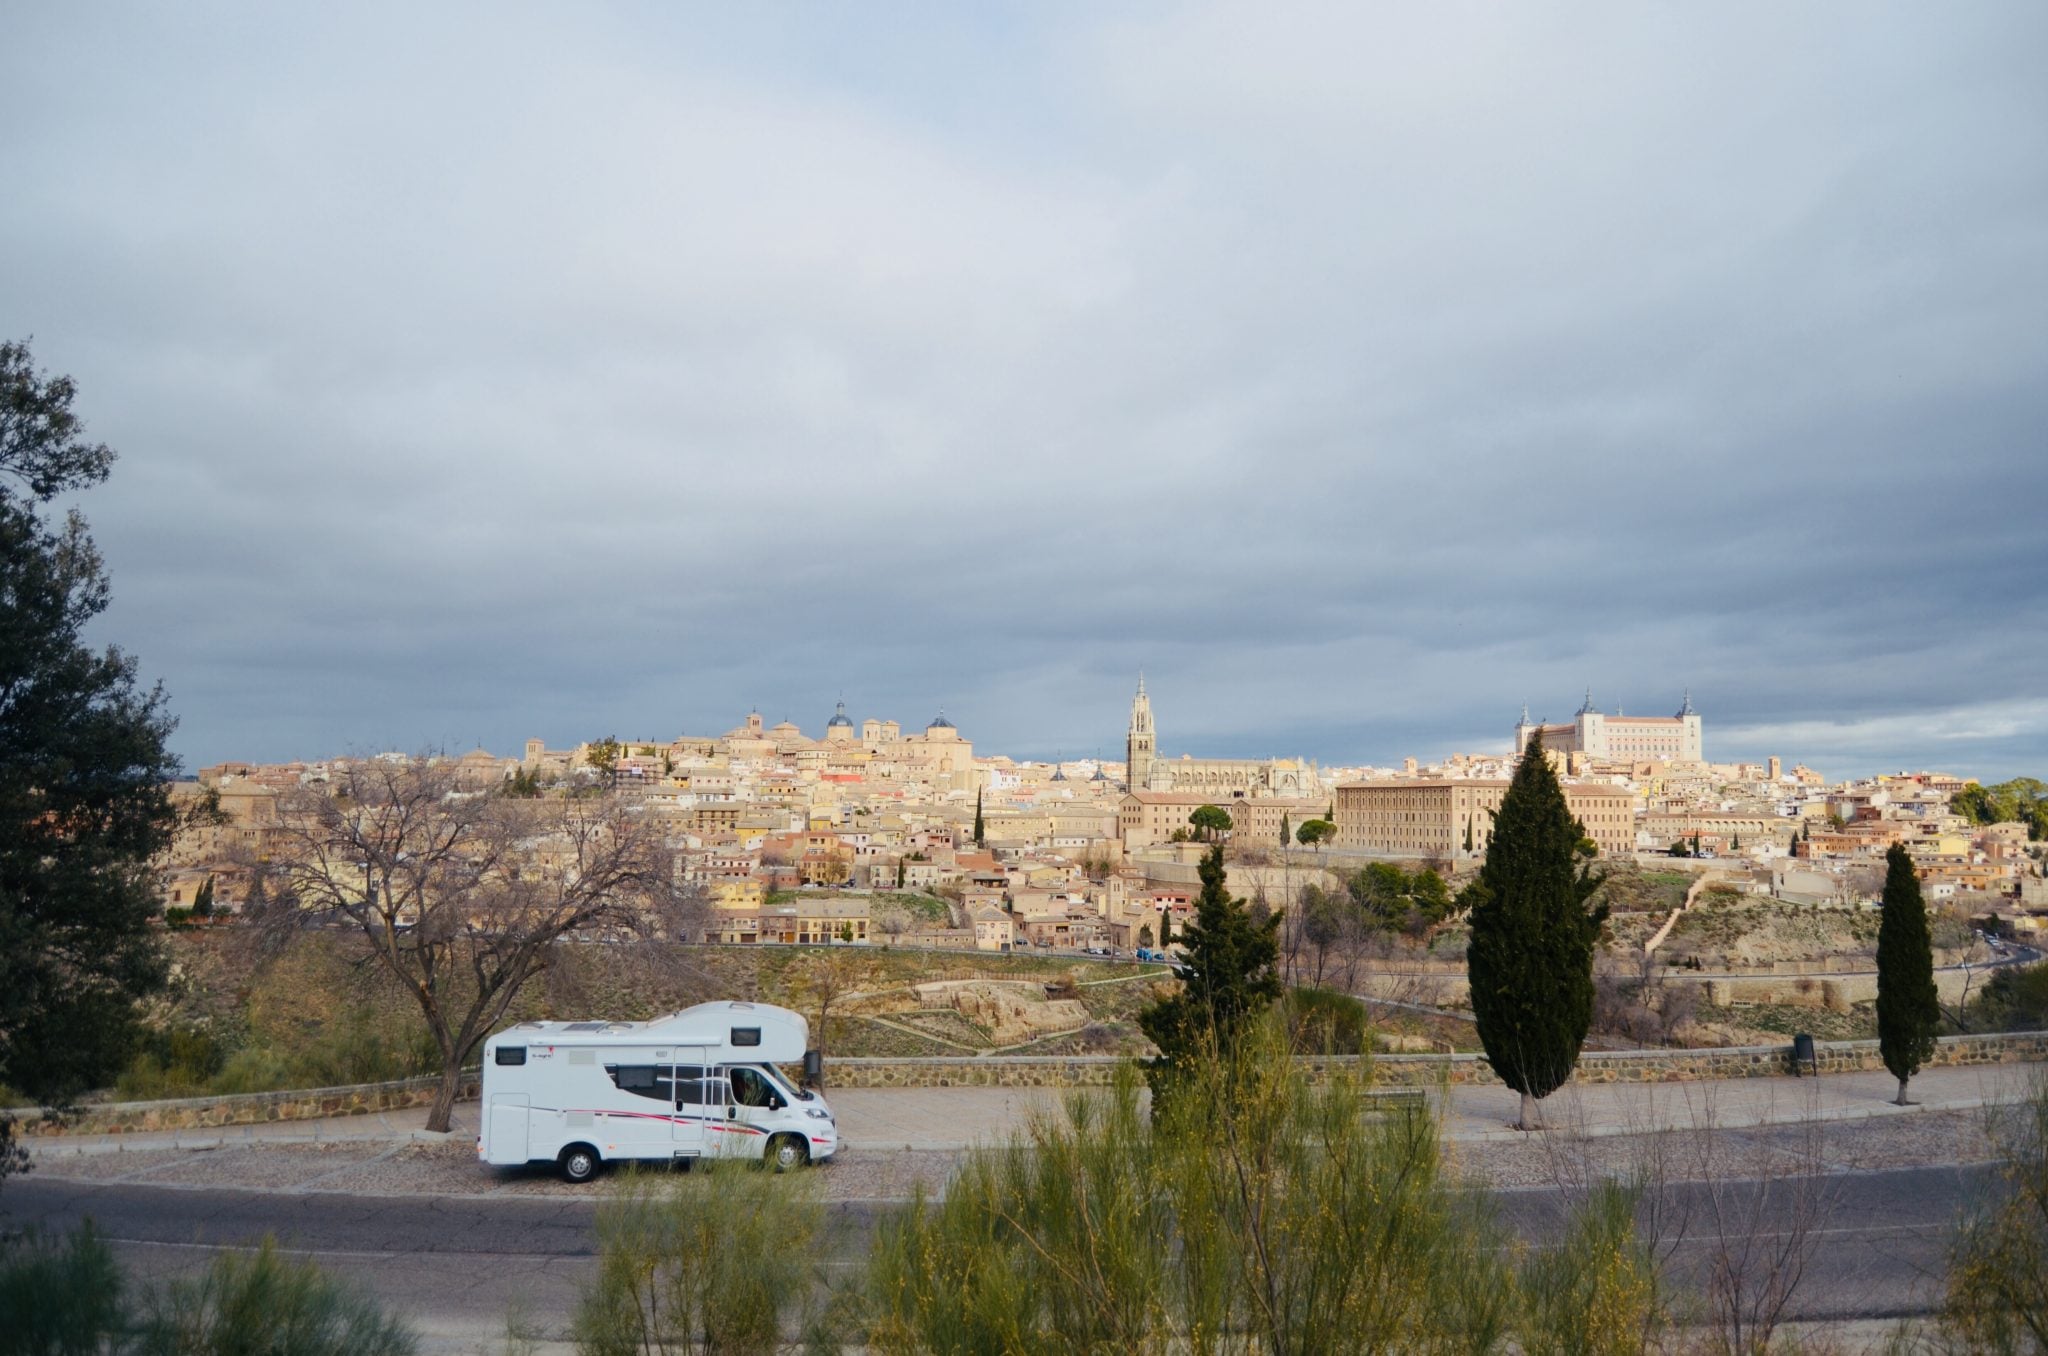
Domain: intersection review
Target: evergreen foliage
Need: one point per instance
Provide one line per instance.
(202, 902)
(1908, 1011)
(2022, 800)
(84, 767)
(1229, 972)
(1208, 821)
(1315, 831)
(980, 829)
(1389, 898)
(1286, 830)
(1531, 955)
(523, 784)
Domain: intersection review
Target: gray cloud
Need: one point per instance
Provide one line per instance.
(1361, 373)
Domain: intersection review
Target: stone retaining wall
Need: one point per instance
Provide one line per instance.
(1075, 1071)
(1595, 1066)
(252, 1108)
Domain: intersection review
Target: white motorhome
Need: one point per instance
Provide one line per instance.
(702, 1083)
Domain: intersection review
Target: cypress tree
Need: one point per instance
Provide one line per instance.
(1228, 969)
(1531, 956)
(1907, 1008)
(1286, 830)
(980, 836)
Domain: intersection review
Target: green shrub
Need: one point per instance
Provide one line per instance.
(1596, 1293)
(58, 1296)
(713, 1261)
(2013, 999)
(1325, 1022)
(175, 1062)
(262, 1304)
(1998, 1260)
(1257, 1213)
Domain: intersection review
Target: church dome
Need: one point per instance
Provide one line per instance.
(839, 720)
(940, 722)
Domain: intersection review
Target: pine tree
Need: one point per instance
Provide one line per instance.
(1908, 1010)
(980, 830)
(84, 766)
(1531, 955)
(1228, 968)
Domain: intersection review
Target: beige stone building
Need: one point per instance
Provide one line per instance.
(1619, 738)
(1148, 817)
(1432, 818)
(1260, 820)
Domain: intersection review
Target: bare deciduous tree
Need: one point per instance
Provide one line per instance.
(819, 981)
(463, 895)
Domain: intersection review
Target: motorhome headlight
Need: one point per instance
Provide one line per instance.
(817, 1114)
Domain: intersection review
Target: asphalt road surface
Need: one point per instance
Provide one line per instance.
(458, 1265)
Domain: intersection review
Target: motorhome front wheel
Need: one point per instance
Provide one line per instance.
(788, 1151)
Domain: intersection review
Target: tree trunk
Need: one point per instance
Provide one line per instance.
(443, 1108)
(1532, 1119)
(1902, 1095)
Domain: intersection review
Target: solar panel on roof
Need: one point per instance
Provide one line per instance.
(586, 1026)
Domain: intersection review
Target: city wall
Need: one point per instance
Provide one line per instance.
(1595, 1066)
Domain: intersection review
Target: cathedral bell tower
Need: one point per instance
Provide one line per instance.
(1139, 744)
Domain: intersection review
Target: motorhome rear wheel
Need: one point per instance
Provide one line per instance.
(579, 1163)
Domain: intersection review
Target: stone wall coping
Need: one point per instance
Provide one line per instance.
(242, 1098)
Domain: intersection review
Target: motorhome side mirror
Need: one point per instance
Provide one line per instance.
(814, 1068)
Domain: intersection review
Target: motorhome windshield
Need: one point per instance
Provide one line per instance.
(775, 1077)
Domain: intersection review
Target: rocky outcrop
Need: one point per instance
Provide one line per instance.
(1011, 1013)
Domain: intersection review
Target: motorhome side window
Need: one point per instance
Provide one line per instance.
(511, 1054)
(746, 1035)
(642, 1080)
(750, 1088)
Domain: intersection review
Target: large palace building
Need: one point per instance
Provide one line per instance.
(1213, 779)
(1618, 738)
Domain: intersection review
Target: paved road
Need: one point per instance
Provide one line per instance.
(459, 1265)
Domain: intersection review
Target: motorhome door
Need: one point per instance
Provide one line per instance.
(751, 1103)
(700, 1093)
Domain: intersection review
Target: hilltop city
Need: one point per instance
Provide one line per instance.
(794, 837)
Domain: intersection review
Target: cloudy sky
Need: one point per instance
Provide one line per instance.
(1359, 372)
